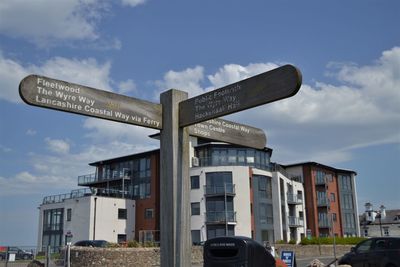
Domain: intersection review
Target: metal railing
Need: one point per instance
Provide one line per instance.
(91, 178)
(219, 190)
(295, 221)
(322, 202)
(61, 197)
(294, 198)
(78, 193)
(220, 216)
(324, 223)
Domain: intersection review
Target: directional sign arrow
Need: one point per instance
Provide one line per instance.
(229, 132)
(264, 88)
(74, 98)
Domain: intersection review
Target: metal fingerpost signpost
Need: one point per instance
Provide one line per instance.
(176, 117)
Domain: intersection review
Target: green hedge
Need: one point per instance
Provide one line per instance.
(329, 240)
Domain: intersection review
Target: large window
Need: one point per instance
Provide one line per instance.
(264, 186)
(52, 228)
(53, 220)
(266, 213)
(222, 156)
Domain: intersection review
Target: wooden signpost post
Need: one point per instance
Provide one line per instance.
(177, 117)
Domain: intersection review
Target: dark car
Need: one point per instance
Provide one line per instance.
(92, 243)
(377, 251)
(20, 254)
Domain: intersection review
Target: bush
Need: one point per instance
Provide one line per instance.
(329, 240)
(133, 244)
(292, 242)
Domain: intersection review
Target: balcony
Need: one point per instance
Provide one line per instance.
(294, 199)
(227, 189)
(294, 221)
(320, 181)
(93, 178)
(217, 217)
(60, 198)
(324, 223)
(323, 202)
(86, 192)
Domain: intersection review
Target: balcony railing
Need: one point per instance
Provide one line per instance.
(320, 181)
(295, 221)
(324, 223)
(294, 198)
(220, 217)
(228, 189)
(60, 198)
(323, 202)
(94, 178)
(87, 192)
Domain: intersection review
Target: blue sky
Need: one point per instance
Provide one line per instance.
(346, 114)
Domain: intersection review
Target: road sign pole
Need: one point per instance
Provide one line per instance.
(174, 184)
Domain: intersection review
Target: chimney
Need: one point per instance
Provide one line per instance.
(382, 211)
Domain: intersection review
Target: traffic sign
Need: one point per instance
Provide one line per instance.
(264, 88)
(229, 132)
(74, 98)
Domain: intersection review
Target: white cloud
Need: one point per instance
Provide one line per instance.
(233, 73)
(323, 122)
(187, 80)
(127, 86)
(61, 22)
(31, 132)
(133, 3)
(57, 145)
(85, 71)
(44, 20)
(107, 131)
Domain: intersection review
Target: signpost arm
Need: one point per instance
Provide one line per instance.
(174, 185)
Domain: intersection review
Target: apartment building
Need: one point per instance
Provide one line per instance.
(234, 191)
(330, 198)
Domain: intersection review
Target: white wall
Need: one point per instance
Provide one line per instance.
(81, 226)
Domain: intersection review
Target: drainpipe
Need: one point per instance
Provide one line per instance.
(94, 219)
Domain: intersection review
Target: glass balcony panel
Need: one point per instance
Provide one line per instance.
(219, 190)
(220, 216)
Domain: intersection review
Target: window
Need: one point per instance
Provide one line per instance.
(196, 237)
(195, 208)
(121, 238)
(148, 213)
(69, 215)
(194, 182)
(364, 246)
(122, 214)
(334, 217)
(333, 198)
(386, 231)
(264, 186)
(366, 232)
(266, 213)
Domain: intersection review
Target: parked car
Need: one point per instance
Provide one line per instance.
(20, 254)
(92, 243)
(376, 251)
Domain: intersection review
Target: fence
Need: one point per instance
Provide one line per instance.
(22, 256)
